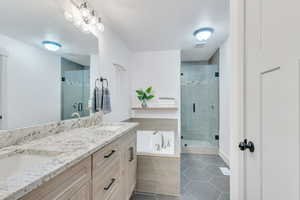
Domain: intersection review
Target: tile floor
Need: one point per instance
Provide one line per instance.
(201, 179)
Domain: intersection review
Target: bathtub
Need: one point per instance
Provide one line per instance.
(157, 143)
(158, 168)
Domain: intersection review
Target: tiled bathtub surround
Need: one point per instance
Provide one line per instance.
(23, 135)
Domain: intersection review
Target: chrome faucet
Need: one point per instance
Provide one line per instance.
(78, 121)
(75, 115)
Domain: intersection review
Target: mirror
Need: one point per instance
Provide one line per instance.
(39, 85)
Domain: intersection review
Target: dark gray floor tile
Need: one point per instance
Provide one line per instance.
(184, 182)
(197, 174)
(164, 197)
(214, 170)
(203, 191)
(187, 197)
(213, 160)
(221, 182)
(140, 196)
(185, 156)
(192, 163)
(224, 196)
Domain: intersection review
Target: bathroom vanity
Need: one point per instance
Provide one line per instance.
(95, 163)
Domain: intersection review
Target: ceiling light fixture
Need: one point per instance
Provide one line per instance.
(84, 18)
(203, 34)
(51, 46)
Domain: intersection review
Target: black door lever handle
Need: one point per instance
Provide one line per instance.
(247, 145)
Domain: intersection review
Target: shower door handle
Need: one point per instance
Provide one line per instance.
(194, 107)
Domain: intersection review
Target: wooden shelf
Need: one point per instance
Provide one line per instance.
(155, 108)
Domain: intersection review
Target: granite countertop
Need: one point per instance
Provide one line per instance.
(64, 150)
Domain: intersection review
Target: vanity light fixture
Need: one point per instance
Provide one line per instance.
(203, 34)
(51, 46)
(84, 17)
(85, 12)
(93, 19)
(100, 26)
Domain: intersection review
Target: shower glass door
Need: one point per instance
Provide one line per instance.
(75, 89)
(199, 104)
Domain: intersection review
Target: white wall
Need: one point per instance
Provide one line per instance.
(31, 72)
(225, 92)
(113, 50)
(161, 70)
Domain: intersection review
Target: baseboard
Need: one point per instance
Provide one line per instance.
(224, 157)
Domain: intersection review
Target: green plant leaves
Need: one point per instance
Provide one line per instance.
(140, 92)
(140, 98)
(150, 97)
(149, 90)
(144, 95)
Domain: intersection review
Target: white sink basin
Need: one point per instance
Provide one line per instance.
(17, 163)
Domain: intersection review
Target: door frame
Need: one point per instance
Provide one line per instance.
(3, 90)
(237, 116)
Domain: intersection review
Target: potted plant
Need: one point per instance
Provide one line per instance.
(145, 95)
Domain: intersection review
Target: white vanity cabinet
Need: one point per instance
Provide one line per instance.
(108, 174)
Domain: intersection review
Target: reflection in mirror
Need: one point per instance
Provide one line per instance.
(75, 88)
(45, 65)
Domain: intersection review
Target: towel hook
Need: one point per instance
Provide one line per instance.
(102, 80)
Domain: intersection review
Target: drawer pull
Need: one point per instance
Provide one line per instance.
(110, 154)
(111, 183)
(131, 154)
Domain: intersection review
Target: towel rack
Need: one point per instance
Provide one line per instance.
(102, 80)
(97, 81)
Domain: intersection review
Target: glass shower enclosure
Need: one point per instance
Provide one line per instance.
(199, 105)
(75, 89)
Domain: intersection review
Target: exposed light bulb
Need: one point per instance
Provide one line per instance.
(77, 23)
(85, 12)
(68, 16)
(100, 26)
(85, 28)
(93, 19)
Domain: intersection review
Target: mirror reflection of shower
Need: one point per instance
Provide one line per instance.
(75, 79)
(199, 106)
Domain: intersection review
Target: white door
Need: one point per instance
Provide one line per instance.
(272, 62)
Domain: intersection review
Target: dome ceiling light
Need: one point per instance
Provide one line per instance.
(203, 34)
(51, 46)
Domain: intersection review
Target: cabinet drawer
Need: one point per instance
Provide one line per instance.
(65, 185)
(105, 183)
(116, 195)
(106, 156)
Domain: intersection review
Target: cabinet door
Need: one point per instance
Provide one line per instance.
(73, 184)
(132, 167)
(129, 165)
(83, 194)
